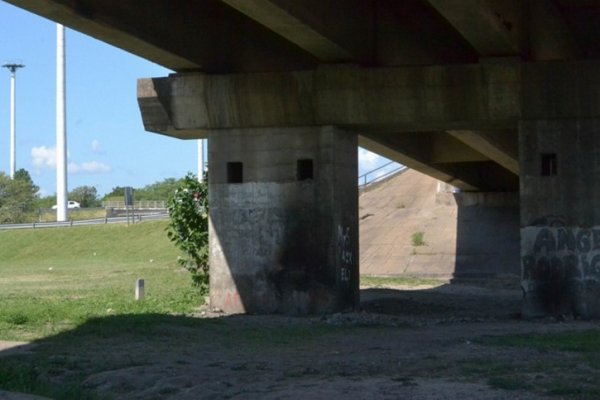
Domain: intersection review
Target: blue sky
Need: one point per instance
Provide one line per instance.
(107, 144)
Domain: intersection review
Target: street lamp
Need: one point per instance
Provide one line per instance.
(61, 128)
(12, 67)
(201, 160)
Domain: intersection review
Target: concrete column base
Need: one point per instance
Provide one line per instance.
(283, 220)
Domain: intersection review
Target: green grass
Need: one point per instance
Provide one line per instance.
(585, 341)
(71, 290)
(74, 215)
(381, 281)
(52, 280)
(567, 364)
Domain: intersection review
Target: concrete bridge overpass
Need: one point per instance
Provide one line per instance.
(488, 95)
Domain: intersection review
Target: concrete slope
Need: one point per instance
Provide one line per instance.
(465, 235)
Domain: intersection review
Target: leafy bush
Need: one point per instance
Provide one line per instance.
(188, 227)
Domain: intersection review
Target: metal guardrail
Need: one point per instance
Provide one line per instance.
(364, 180)
(96, 221)
(138, 205)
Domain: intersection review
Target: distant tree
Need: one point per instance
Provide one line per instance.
(22, 175)
(16, 197)
(45, 202)
(86, 196)
(157, 191)
(117, 191)
(161, 190)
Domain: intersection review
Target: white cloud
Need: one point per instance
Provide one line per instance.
(43, 157)
(368, 160)
(91, 167)
(96, 147)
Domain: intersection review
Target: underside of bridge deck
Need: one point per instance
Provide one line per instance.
(487, 95)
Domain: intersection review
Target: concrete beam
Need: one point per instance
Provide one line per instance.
(493, 27)
(279, 17)
(407, 99)
(534, 29)
(402, 40)
(153, 101)
(446, 149)
(459, 166)
(549, 36)
(202, 40)
(561, 90)
(83, 20)
(500, 147)
(389, 151)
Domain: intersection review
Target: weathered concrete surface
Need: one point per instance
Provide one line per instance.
(406, 110)
(457, 123)
(559, 90)
(560, 235)
(466, 235)
(279, 244)
(4, 395)
(298, 23)
(272, 35)
(560, 240)
(390, 213)
(408, 99)
(501, 147)
(492, 27)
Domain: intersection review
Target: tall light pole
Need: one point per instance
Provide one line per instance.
(13, 112)
(61, 130)
(201, 160)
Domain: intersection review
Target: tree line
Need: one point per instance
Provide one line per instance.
(20, 199)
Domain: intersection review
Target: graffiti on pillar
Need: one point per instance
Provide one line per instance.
(557, 260)
(570, 248)
(345, 252)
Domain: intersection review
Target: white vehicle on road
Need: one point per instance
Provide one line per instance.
(70, 204)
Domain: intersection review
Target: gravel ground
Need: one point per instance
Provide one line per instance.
(402, 344)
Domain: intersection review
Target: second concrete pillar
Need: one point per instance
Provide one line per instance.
(283, 220)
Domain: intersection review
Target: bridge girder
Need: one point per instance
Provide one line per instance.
(249, 36)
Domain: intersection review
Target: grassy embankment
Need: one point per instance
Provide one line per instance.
(55, 279)
(74, 215)
(73, 288)
(52, 280)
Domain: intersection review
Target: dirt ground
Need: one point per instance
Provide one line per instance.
(403, 344)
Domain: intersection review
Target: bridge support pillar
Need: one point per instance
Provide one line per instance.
(283, 220)
(560, 218)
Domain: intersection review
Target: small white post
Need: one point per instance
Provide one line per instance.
(139, 289)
